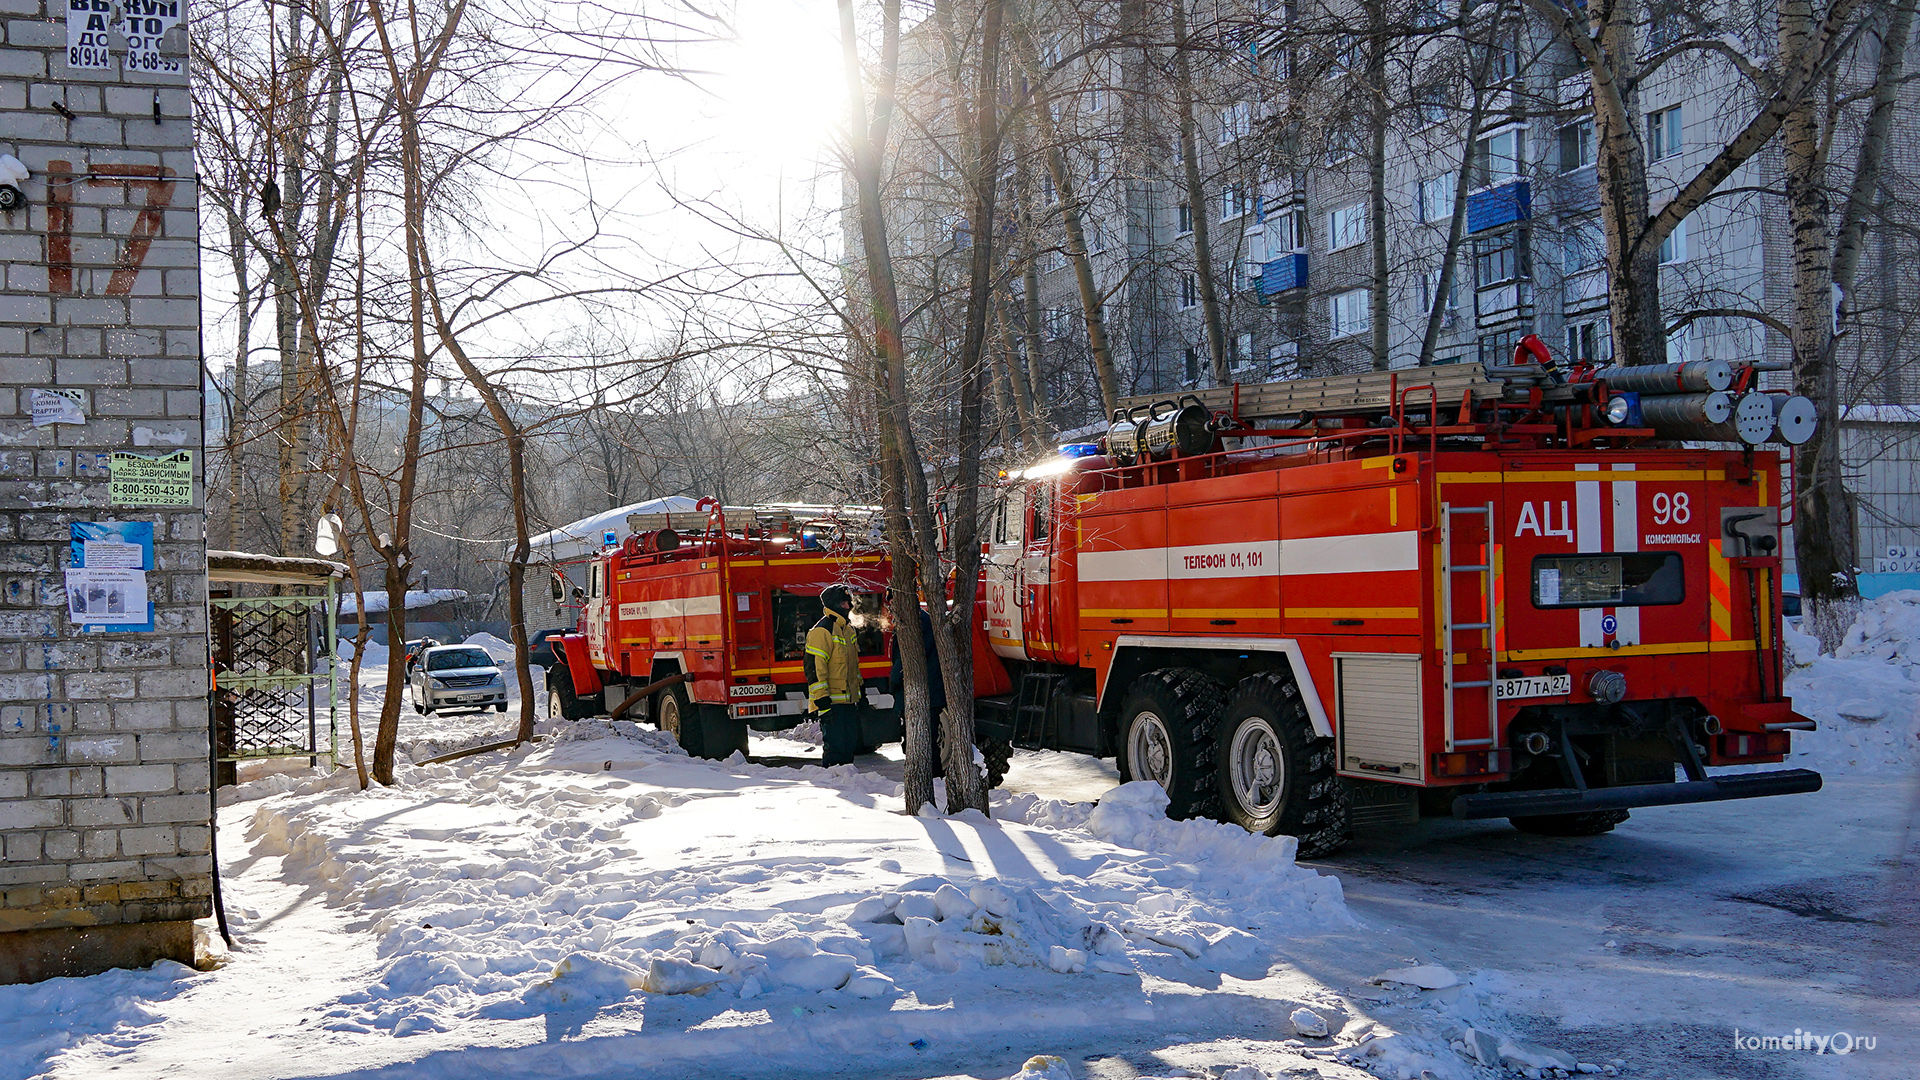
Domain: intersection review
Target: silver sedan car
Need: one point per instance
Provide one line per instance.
(458, 677)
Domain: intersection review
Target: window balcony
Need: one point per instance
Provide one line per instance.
(1286, 272)
(1497, 206)
(1503, 303)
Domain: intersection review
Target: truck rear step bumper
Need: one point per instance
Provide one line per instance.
(1500, 804)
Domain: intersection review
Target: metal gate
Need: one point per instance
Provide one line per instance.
(272, 694)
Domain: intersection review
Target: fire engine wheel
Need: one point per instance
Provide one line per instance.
(1276, 775)
(999, 755)
(562, 701)
(673, 713)
(1167, 723)
(1590, 823)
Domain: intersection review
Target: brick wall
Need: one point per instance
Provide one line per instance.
(103, 771)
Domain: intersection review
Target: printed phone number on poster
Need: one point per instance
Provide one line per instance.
(158, 490)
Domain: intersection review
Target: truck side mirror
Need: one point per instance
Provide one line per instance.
(558, 586)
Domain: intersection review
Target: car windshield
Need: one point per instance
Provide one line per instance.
(458, 658)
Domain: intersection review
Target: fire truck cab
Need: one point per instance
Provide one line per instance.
(700, 625)
(1328, 602)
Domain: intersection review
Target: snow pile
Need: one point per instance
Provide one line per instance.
(39, 1020)
(377, 602)
(376, 653)
(501, 651)
(604, 864)
(1865, 697)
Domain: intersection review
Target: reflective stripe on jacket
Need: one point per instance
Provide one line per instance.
(833, 661)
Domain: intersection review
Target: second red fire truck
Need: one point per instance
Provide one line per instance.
(698, 622)
(1510, 592)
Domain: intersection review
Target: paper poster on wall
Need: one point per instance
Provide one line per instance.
(87, 42)
(59, 405)
(107, 585)
(109, 599)
(162, 480)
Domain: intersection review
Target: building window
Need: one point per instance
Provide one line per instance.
(1587, 342)
(1193, 365)
(1343, 142)
(1095, 237)
(1663, 133)
(1049, 194)
(1283, 360)
(1286, 231)
(1576, 146)
(1432, 103)
(1583, 247)
(1186, 219)
(1189, 291)
(1242, 350)
(1436, 196)
(1350, 313)
(1093, 165)
(1499, 259)
(1497, 158)
(1346, 227)
(1430, 294)
(1233, 202)
(1058, 322)
(1674, 248)
(1236, 121)
(1498, 348)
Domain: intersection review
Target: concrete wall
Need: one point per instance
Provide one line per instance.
(103, 750)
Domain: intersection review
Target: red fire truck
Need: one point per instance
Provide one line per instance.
(1509, 591)
(701, 627)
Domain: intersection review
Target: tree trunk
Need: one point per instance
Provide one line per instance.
(1456, 229)
(1197, 198)
(1824, 547)
(240, 389)
(1378, 113)
(1633, 270)
(1092, 313)
(898, 460)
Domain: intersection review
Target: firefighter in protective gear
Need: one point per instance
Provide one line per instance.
(833, 676)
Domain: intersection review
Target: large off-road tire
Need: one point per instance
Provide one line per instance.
(673, 713)
(999, 755)
(1167, 735)
(1276, 776)
(562, 701)
(1587, 823)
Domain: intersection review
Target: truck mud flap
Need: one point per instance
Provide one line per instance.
(1501, 804)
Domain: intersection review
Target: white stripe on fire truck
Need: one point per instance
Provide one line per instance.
(685, 607)
(1586, 537)
(1626, 537)
(1357, 553)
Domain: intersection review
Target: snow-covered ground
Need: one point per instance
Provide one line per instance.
(598, 904)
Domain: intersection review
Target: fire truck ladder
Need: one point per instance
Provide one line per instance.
(1448, 627)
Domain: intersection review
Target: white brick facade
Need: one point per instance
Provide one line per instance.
(104, 809)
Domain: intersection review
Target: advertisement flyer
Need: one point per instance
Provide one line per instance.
(139, 480)
(107, 583)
